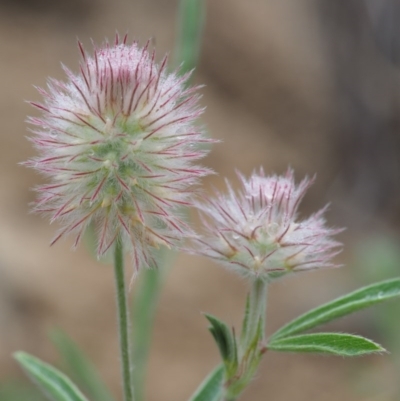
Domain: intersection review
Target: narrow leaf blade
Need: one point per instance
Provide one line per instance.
(145, 299)
(223, 337)
(327, 343)
(52, 382)
(360, 299)
(78, 366)
(212, 386)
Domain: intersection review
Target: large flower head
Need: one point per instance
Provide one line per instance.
(118, 142)
(257, 233)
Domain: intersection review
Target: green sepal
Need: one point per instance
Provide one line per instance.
(255, 343)
(360, 299)
(326, 343)
(232, 368)
(249, 363)
(212, 387)
(245, 323)
(51, 381)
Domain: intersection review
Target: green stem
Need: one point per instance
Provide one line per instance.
(123, 320)
(257, 311)
(253, 334)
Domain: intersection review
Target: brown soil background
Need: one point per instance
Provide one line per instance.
(275, 96)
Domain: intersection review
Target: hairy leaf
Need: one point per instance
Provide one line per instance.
(326, 343)
(212, 387)
(342, 306)
(52, 382)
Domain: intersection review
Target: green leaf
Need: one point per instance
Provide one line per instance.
(342, 306)
(327, 343)
(191, 22)
(211, 388)
(52, 382)
(80, 369)
(145, 298)
(223, 337)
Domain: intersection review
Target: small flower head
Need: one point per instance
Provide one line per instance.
(256, 231)
(118, 142)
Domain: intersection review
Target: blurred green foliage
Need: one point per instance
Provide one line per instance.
(19, 391)
(79, 368)
(377, 257)
(75, 364)
(145, 298)
(190, 29)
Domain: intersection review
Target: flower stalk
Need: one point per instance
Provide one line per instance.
(256, 233)
(256, 313)
(123, 320)
(251, 347)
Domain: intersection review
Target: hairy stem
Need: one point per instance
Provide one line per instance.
(257, 310)
(123, 320)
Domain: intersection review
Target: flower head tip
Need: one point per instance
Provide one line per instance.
(118, 142)
(256, 231)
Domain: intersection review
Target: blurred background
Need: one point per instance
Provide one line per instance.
(313, 84)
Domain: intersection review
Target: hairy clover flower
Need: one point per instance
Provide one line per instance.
(256, 231)
(118, 142)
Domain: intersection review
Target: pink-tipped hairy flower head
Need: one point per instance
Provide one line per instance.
(118, 142)
(256, 231)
